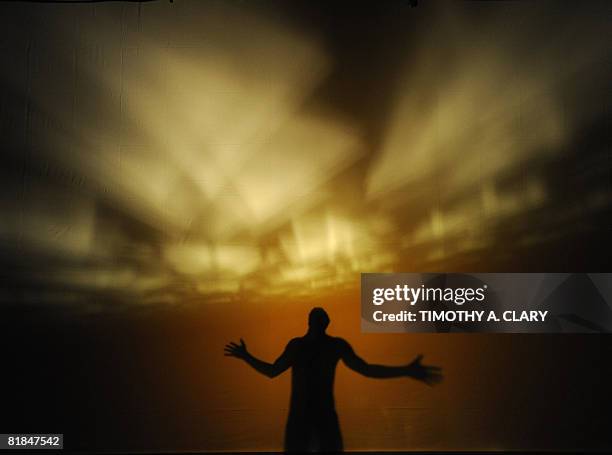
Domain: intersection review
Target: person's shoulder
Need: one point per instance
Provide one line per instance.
(293, 342)
(337, 339)
(340, 342)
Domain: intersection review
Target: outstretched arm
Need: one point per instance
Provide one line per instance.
(428, 374)
(268, 369)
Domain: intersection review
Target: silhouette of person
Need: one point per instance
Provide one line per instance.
(312, 424)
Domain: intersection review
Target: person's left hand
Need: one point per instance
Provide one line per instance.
(430, 375)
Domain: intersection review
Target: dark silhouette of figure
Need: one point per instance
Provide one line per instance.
(312, 424)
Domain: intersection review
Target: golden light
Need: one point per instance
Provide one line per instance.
(194, 161)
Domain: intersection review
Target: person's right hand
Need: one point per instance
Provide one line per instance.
(430, 375)
(236, 350)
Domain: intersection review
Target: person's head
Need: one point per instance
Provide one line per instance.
(318, 320)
